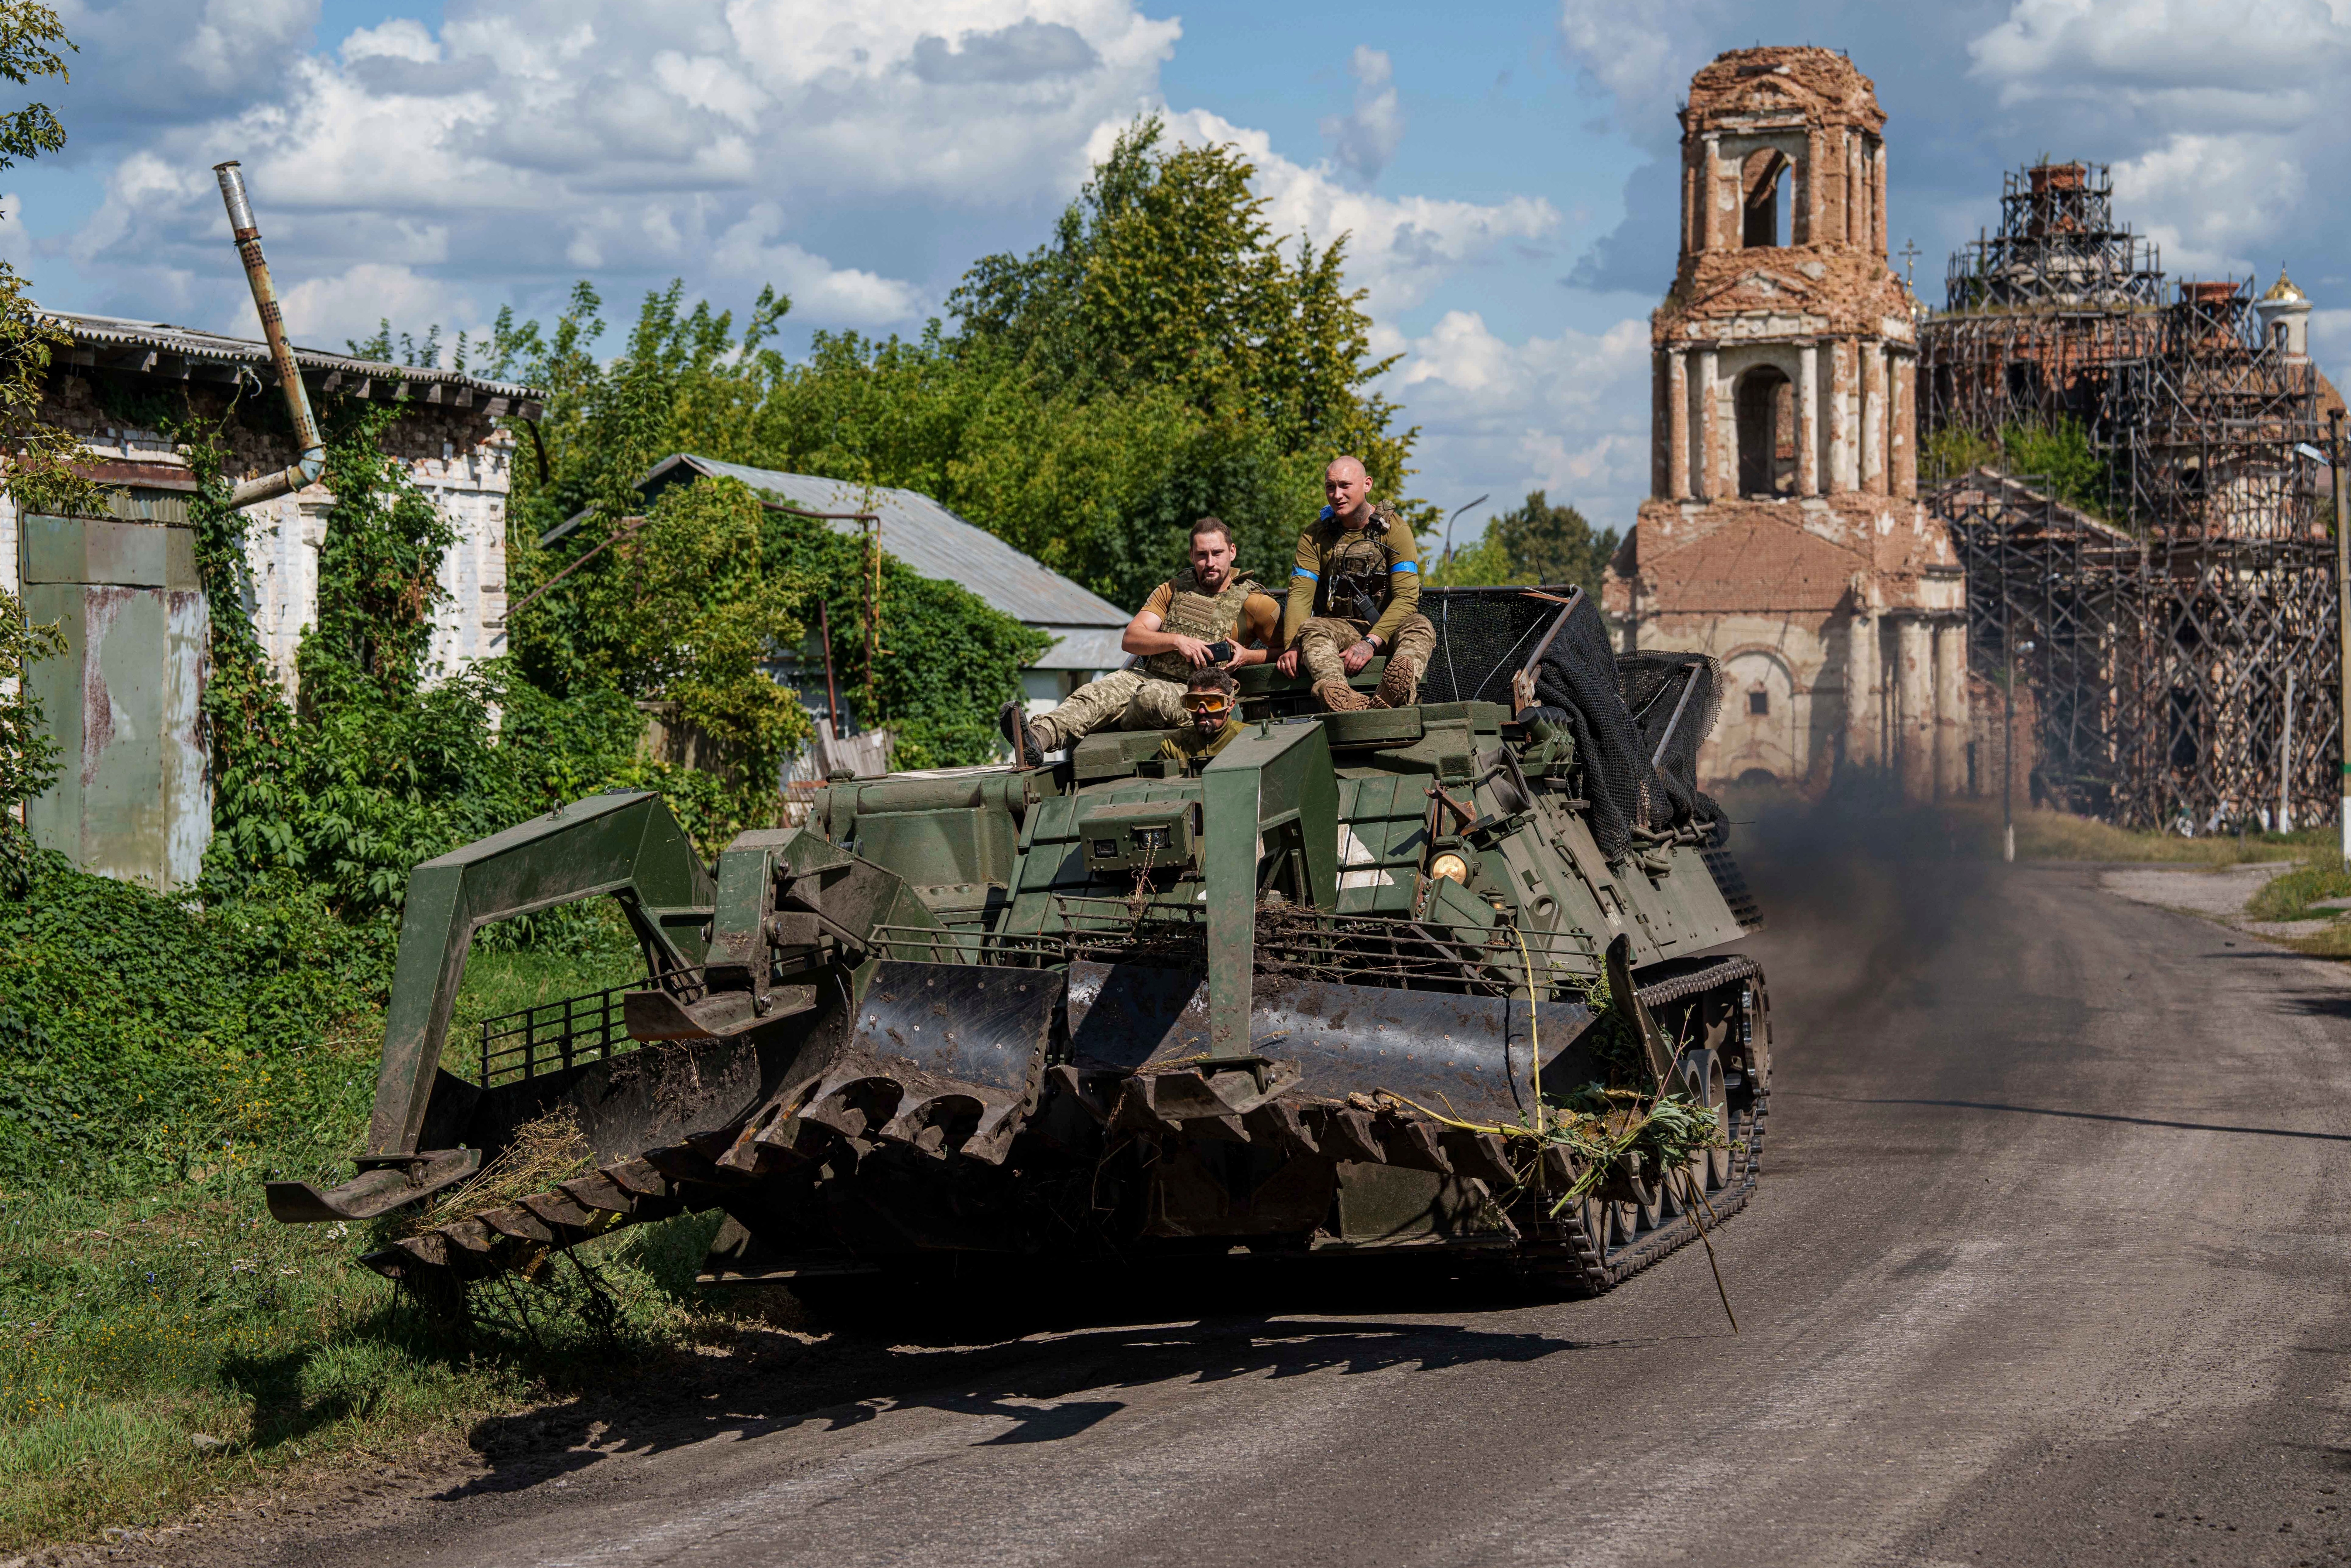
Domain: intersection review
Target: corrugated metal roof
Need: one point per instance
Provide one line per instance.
(929, 538)
(89, 331)
(1083, 647)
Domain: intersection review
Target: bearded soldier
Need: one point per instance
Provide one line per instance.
(1354, 591)
(1208, 614)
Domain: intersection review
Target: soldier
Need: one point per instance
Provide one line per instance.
(1354, 591)
(1207, 614)
(1214, 719)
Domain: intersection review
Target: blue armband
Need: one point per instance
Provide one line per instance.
(1404, 567)
(1303, 572)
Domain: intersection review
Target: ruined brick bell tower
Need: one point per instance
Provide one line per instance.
(1783, 533)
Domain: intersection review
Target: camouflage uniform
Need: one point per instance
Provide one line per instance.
(1351, 583)
(1195, 752)
(1149, 694)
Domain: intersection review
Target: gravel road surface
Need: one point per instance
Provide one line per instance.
(2047, 1266)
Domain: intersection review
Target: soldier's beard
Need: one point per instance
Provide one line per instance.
(1212, 577)
(1207, 725)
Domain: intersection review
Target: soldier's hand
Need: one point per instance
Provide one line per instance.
(1193, 649)
(1358, 656)
(1288, 663)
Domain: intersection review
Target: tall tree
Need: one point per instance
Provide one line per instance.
(1548, 543)
(1164, 272)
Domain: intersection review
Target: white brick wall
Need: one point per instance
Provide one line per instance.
(283, 537)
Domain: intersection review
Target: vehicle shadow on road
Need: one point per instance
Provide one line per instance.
(1045, 1388)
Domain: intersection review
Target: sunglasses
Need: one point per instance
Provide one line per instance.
(1207, 702)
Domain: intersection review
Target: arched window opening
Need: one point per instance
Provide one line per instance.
(1768, 176)
(1767, 433)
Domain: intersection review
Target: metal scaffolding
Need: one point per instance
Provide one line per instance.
(2181, 651)
(2039, 315)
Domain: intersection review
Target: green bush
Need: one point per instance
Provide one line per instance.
(144, 1041)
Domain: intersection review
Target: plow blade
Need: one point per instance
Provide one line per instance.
(371, 1192)
(1318, 1042)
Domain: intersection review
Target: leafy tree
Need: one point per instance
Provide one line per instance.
(690, 613)
(1549, 543)
(686, 381)
(1533, 543)
(1482, 565)
(1164, 272)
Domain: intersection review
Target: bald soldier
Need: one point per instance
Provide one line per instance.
(1355, 592)
(1208, 614)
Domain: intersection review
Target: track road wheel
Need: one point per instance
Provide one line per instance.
(1641, 1206)
(1702, 1081)
(1600, 1224)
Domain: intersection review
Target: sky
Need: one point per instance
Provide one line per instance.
(1503, 170)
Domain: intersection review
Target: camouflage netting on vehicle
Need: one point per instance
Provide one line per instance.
(1623, 711)
(1484, 636)
(1674, 698)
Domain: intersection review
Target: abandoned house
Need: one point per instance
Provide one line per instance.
(132, 800)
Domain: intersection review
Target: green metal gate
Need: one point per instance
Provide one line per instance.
(132, 800)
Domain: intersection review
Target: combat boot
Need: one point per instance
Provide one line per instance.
(1399, 685)
(1338, 697)
(1013, 720)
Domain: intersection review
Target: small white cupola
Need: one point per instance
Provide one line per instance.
(2284, 311)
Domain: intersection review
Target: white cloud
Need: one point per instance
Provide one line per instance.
(1642, 52)
(327, 312)
(1399, 248)
(1568, 415)
(532, 136)
(2213, 200)
(750, 251)
(1367, 136)
(186, 54)
(845, 151)
(2159, 47)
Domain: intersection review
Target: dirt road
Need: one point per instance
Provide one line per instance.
(2048, 1266)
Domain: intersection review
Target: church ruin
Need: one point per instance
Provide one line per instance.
(1785, 533)
(2177, 624)
(2157, 623)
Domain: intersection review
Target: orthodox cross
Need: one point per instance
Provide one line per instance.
(1909, 255)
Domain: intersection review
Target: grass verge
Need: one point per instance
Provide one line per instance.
(162, 1340)
(2054, 836)
(160, 1352)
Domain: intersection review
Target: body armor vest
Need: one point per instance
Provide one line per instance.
(1354, 583)
(1191, 613)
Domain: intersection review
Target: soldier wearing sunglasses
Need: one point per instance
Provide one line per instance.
(1212, 719)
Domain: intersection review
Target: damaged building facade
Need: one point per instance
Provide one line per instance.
(1784, 534)
(133, 800)
(2176, 629)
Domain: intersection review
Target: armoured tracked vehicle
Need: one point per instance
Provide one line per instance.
(1401, 979)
